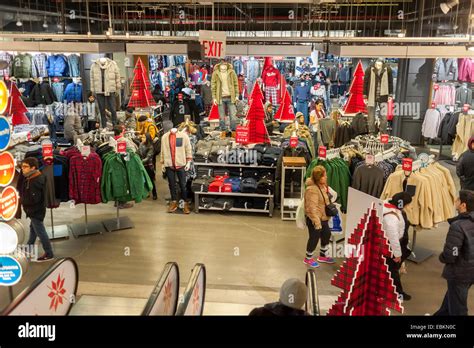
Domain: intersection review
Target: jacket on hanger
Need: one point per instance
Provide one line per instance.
(105, 78)
(466, 69)
(445, 69)
(73, 65)
(39, 65)
(8, 58)
(463, 96)
(73, 93)
(22, 66)
(56, 65)
(42, 94)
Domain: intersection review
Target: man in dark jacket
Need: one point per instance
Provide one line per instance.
(293, 295)
(458, 257)
(33, 200)
(465, 167)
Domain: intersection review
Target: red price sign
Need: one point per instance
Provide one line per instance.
(435, 86)
(293, 142)
(407, 164)
(322, 152)
(122, 146)
(433, 105)
(47, 150)
(466, 108)
(8, 203)
(384, 138)
(242, 134)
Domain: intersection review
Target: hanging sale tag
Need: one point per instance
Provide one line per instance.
(322, 152)
(293, 142)
(384, 138)
(47, 150)
(86, 150)
(435, 86)
(122, 147)
(407, 164)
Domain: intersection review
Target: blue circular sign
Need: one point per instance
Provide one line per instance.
(10, 271)
(4, 133)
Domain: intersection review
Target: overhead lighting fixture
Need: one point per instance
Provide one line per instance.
(18, 21)
(45, 24)
(127, 34)
(447, 6)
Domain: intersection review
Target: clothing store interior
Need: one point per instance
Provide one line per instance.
(151, 153)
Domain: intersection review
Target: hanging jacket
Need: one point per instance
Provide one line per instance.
(22, 66)
(178, 111)
(445, 69)
(302, 93)
(73, 93)
(105, 78)
(73, 65)
(84, 177)
(459, 266)
(8, 58)
(39, 65)
(42, 94)
(206, 94)
(57, 65)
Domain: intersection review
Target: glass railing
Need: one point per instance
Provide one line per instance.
(312, 302)
(192, 302)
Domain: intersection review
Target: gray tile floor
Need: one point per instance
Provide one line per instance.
(241, 252)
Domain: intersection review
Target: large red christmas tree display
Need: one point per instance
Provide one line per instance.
(256, 118)
(141, 93)
(285, 112)
(356, 103)
(214, 113)
(16, 108)
(367, 287)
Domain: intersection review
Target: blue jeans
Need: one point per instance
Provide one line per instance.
(37, 229)
(227, 101)
(171, 175)
(455, 300)
(302, 106)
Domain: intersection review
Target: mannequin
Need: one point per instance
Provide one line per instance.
(225, 90)
(378, 89)
(302, 97)
(105, 84)
(176, 157)
(271, 81)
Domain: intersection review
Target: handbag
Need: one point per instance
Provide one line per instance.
(330, 209)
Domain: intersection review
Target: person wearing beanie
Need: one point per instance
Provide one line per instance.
(465, 167)
(293, 294)
(395, 225)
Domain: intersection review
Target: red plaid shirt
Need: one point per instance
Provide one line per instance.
(84, 177)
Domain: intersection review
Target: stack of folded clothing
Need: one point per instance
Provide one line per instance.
(251, 173)
(271, 156)
(234, 183)
(204, 171)
(243, 203)
(248, 185)
(265, 186)
(203, 150)
(221, 172)
(201, 184)
(261, 203)
(218, 184)
(224, 203)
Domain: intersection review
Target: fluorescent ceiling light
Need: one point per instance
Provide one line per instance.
(447, 6)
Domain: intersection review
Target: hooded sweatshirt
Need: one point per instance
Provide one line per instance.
(465, 167)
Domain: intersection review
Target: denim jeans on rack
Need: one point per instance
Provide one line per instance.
(227, 102)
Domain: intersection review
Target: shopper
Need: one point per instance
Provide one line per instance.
(315, 200)
(465, 167)
(293, 295)
(269, 122)
(458, 257)
(395, 225)
(130, 122)
(147, 154)
(92, 112)
(73, 129)
(146, 125)
(33, 200)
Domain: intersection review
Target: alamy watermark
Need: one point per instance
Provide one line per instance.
(238, 156)
(402, 109)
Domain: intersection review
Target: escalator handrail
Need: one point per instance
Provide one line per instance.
(24, 294)
(312, 302)
(159, 287)
(188, 292)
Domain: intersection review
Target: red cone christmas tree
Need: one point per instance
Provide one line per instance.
(256, 94)
(256, 118)
(16, 108)
(285, 112)
(141, 88)
(214, 113)
(367, 286)
(355, 103)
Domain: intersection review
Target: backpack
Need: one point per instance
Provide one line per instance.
(300, 216)
(156, 140)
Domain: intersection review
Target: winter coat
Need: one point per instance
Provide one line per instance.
(206, 94)
(232, 82)
(105, 78)
(147, 126)
(276, 309)
(445, 69)
(386, 84)
(42, 94)
(22, 66)
(315, 203)
(394, 227)
(73, 93)
(184, 152)
(465, 167)
(57, 65)
(458, 251)
(33, 196)
(72, 126)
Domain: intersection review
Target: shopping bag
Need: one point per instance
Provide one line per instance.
(300, 216)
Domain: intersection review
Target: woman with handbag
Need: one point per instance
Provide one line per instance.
(318, 210)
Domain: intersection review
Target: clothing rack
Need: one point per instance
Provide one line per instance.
(57, 232)
(86, 228)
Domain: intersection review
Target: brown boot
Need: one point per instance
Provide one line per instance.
(186, 209)
(173, 207)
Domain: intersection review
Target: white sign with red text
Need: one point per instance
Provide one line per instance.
(213, 42)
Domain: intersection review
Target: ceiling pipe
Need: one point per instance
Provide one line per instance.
(13, 9)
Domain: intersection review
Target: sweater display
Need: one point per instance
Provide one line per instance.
(369, 179)
(434, 197)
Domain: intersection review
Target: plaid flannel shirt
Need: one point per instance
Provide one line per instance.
(8, 58)
(84, 177)
(39, 66)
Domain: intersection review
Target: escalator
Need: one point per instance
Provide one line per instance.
(312, 301)
(53, 293)
(193, 298)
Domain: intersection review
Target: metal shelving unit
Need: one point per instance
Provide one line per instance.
(291, 197)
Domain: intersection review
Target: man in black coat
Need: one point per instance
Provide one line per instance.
(458, 257)
(33, 200)
(465, 167)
